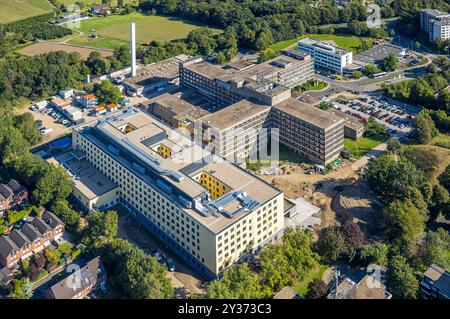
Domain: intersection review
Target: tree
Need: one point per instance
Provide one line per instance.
(354, 237)
(424, 128)
(267, 54)
(275, 268)
(400, 279)
(373, 128)
(238, 282)
(101, 226)
(436, 249)
(317, 289)
(393, 145)
(440, 200)
(135, 273)
(69, 216)
(21, 289)
(54, 185)
(444, 178)
(202, 39)
(389, 63)
(282, 264)
(122, 54)
(107, 92)
(331, 244)
(371, 69)
(393, 179)
(403, 222)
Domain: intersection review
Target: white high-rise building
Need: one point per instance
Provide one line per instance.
(326, 56)
(133, 48)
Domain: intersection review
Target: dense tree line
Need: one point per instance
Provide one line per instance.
(259, 23)
(427, 91)
(40, 75)
(403, 180)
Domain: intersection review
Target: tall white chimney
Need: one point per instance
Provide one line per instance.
(133, 48)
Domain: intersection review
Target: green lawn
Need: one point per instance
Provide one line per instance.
(311, 85)
(347, 42)
(301, 287)
(362, 145)
(115, 30)
(284, 44)
(14, 10)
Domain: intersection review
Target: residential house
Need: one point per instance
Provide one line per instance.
(368, 288)
(102, 9)
(79, 284)
(11, 194)
(31, 238)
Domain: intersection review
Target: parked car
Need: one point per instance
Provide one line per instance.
(171, 267)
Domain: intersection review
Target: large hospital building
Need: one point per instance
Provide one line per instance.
(208, 210)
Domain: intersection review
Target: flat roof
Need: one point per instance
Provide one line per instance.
(350, 121)
(233, 114)
(156, 72)
(85, 177)
(174, 175)
(240, 71)
(329, 46)
(440, 278)
(179, 106)
(208, 70)
(308, 113)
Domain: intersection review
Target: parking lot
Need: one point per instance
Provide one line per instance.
(395, 116)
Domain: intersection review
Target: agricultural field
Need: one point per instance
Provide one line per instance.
(14, 10)
(344, 41)
(114, 30)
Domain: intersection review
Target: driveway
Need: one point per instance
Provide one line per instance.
(185, 279)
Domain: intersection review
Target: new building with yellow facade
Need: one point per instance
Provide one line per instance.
(211, 212)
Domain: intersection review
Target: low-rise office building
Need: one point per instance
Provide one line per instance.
(353, 127)
(309, 131)
(155, 76)
(326, 55)
(91, 188)
(211, 212)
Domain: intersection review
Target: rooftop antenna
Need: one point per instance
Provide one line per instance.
(133, 48)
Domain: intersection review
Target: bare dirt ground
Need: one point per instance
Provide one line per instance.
(185, 280)
(336, 193)
(45, 47)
